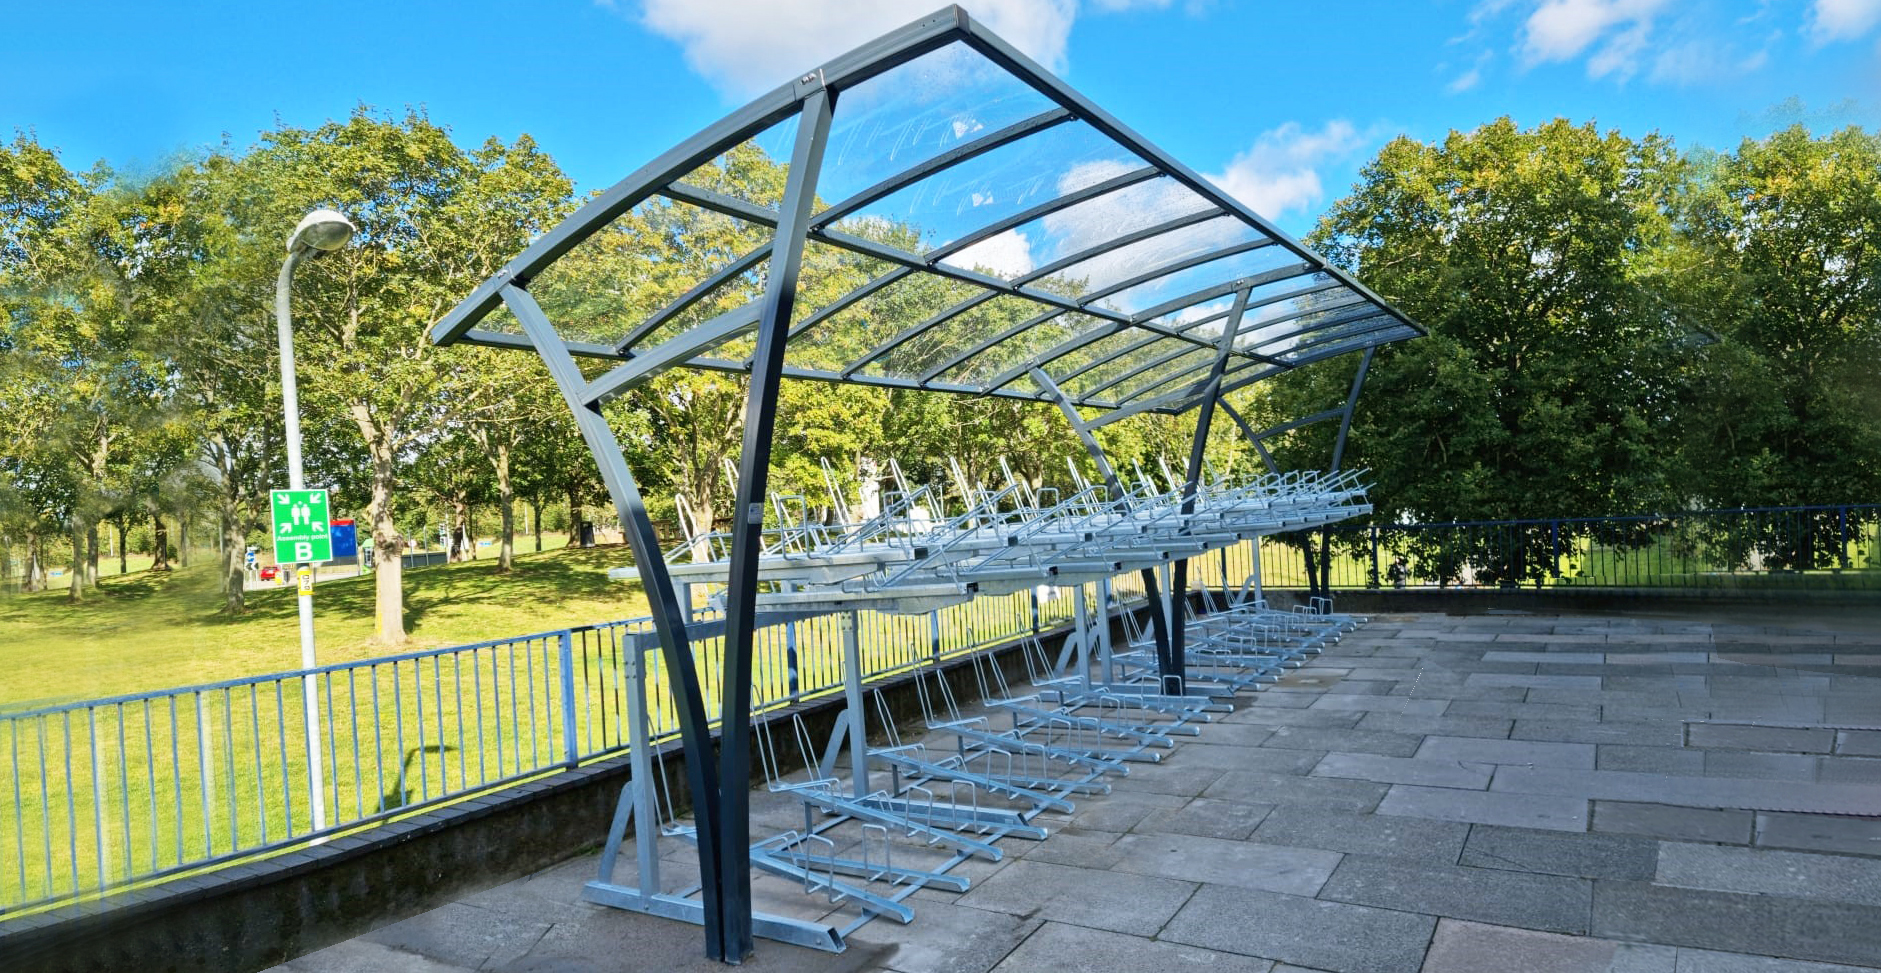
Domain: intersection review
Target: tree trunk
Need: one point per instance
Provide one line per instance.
(459, 549)
(124, 560)
(506, 510)
(234, 561)
(535, 520)
(34, 578)
(91, 555)
(77, 572)
(183, 523)
(388, 574)
(159, 543)
(574, 518)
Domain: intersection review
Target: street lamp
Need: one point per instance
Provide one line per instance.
(320, 231)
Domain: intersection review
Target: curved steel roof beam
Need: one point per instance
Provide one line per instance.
(946, 160)
(698, 291)
(1028, 71)
(1221, 290)
(1017, 329)
(1176, 267)
(1118, 243)
(826, 311)
(888, 382)
(1043, 209)
(1073, 344)
(898, 340)
(887, 53)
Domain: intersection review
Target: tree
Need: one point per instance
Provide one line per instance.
(434, 220)
(1549, 382)
(1786, 267)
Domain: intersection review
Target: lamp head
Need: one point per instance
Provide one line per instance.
(322, 229)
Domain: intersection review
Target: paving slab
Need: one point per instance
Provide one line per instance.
(1473, 947)
(1519, 752)
(1555, 658)
(1311, 933)
(1456, 726)
(1242, 864)
(1486, 807)
(1673, 822)
(1769, 738)
(1350, 741)
(1552, 903)
(1859, 742)
(1074, 949)
(1405, 770)
(1768, 872)
(1854, 770)
(1207, 818)
(1533, 682)
(1818, 832)
(1652, 760)
(1691, 791)
(1761, 766)
(946, 937)
(1327, 792)
(1711, 961)
(1802, 929)
(1626, 857)
(1662, 733)
(1122, 902)
(1378, 835)
(1380, 704)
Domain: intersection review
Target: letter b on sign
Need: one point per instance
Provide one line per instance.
(303, 551)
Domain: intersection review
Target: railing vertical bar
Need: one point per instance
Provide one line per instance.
(565, 647)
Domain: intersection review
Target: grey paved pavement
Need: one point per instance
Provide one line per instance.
(1572, 794)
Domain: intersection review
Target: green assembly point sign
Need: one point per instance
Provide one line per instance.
(302, 531)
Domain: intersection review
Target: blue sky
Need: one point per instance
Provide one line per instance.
(1279, 102)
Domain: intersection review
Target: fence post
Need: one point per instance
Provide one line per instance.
(1032, 594)
(933, 634)
(565, 642)
(1375, 575)
(1841, 520)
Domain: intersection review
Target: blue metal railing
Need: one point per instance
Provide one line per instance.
(99, 794)
(1831, 547)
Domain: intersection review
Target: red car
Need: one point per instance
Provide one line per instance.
(268, 573)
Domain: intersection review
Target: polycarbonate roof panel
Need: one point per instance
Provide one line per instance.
(970, 219)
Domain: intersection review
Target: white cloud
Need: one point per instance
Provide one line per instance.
(1008, 255)
(1465, 81)
(1279, 173)
(747, 46)
(1617, 31)
(1842, 20)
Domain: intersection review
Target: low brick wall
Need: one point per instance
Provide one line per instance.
(253, 916)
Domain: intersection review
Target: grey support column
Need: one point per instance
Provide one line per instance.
(1204, 418)
(1151, 589)
(741, 591)
(669, 614)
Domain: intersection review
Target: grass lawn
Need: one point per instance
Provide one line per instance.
(144, 631)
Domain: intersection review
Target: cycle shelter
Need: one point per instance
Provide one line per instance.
(931, 211)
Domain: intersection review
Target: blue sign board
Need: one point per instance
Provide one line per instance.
(345, 538)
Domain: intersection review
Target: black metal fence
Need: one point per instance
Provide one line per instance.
(1823, 547)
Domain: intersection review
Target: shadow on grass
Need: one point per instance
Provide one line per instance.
(549, 581)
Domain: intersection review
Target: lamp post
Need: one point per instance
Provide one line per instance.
(320, 231)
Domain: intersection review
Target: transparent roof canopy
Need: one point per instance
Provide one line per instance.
(973, 219)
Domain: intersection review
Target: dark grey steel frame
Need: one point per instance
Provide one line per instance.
(719, 785)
